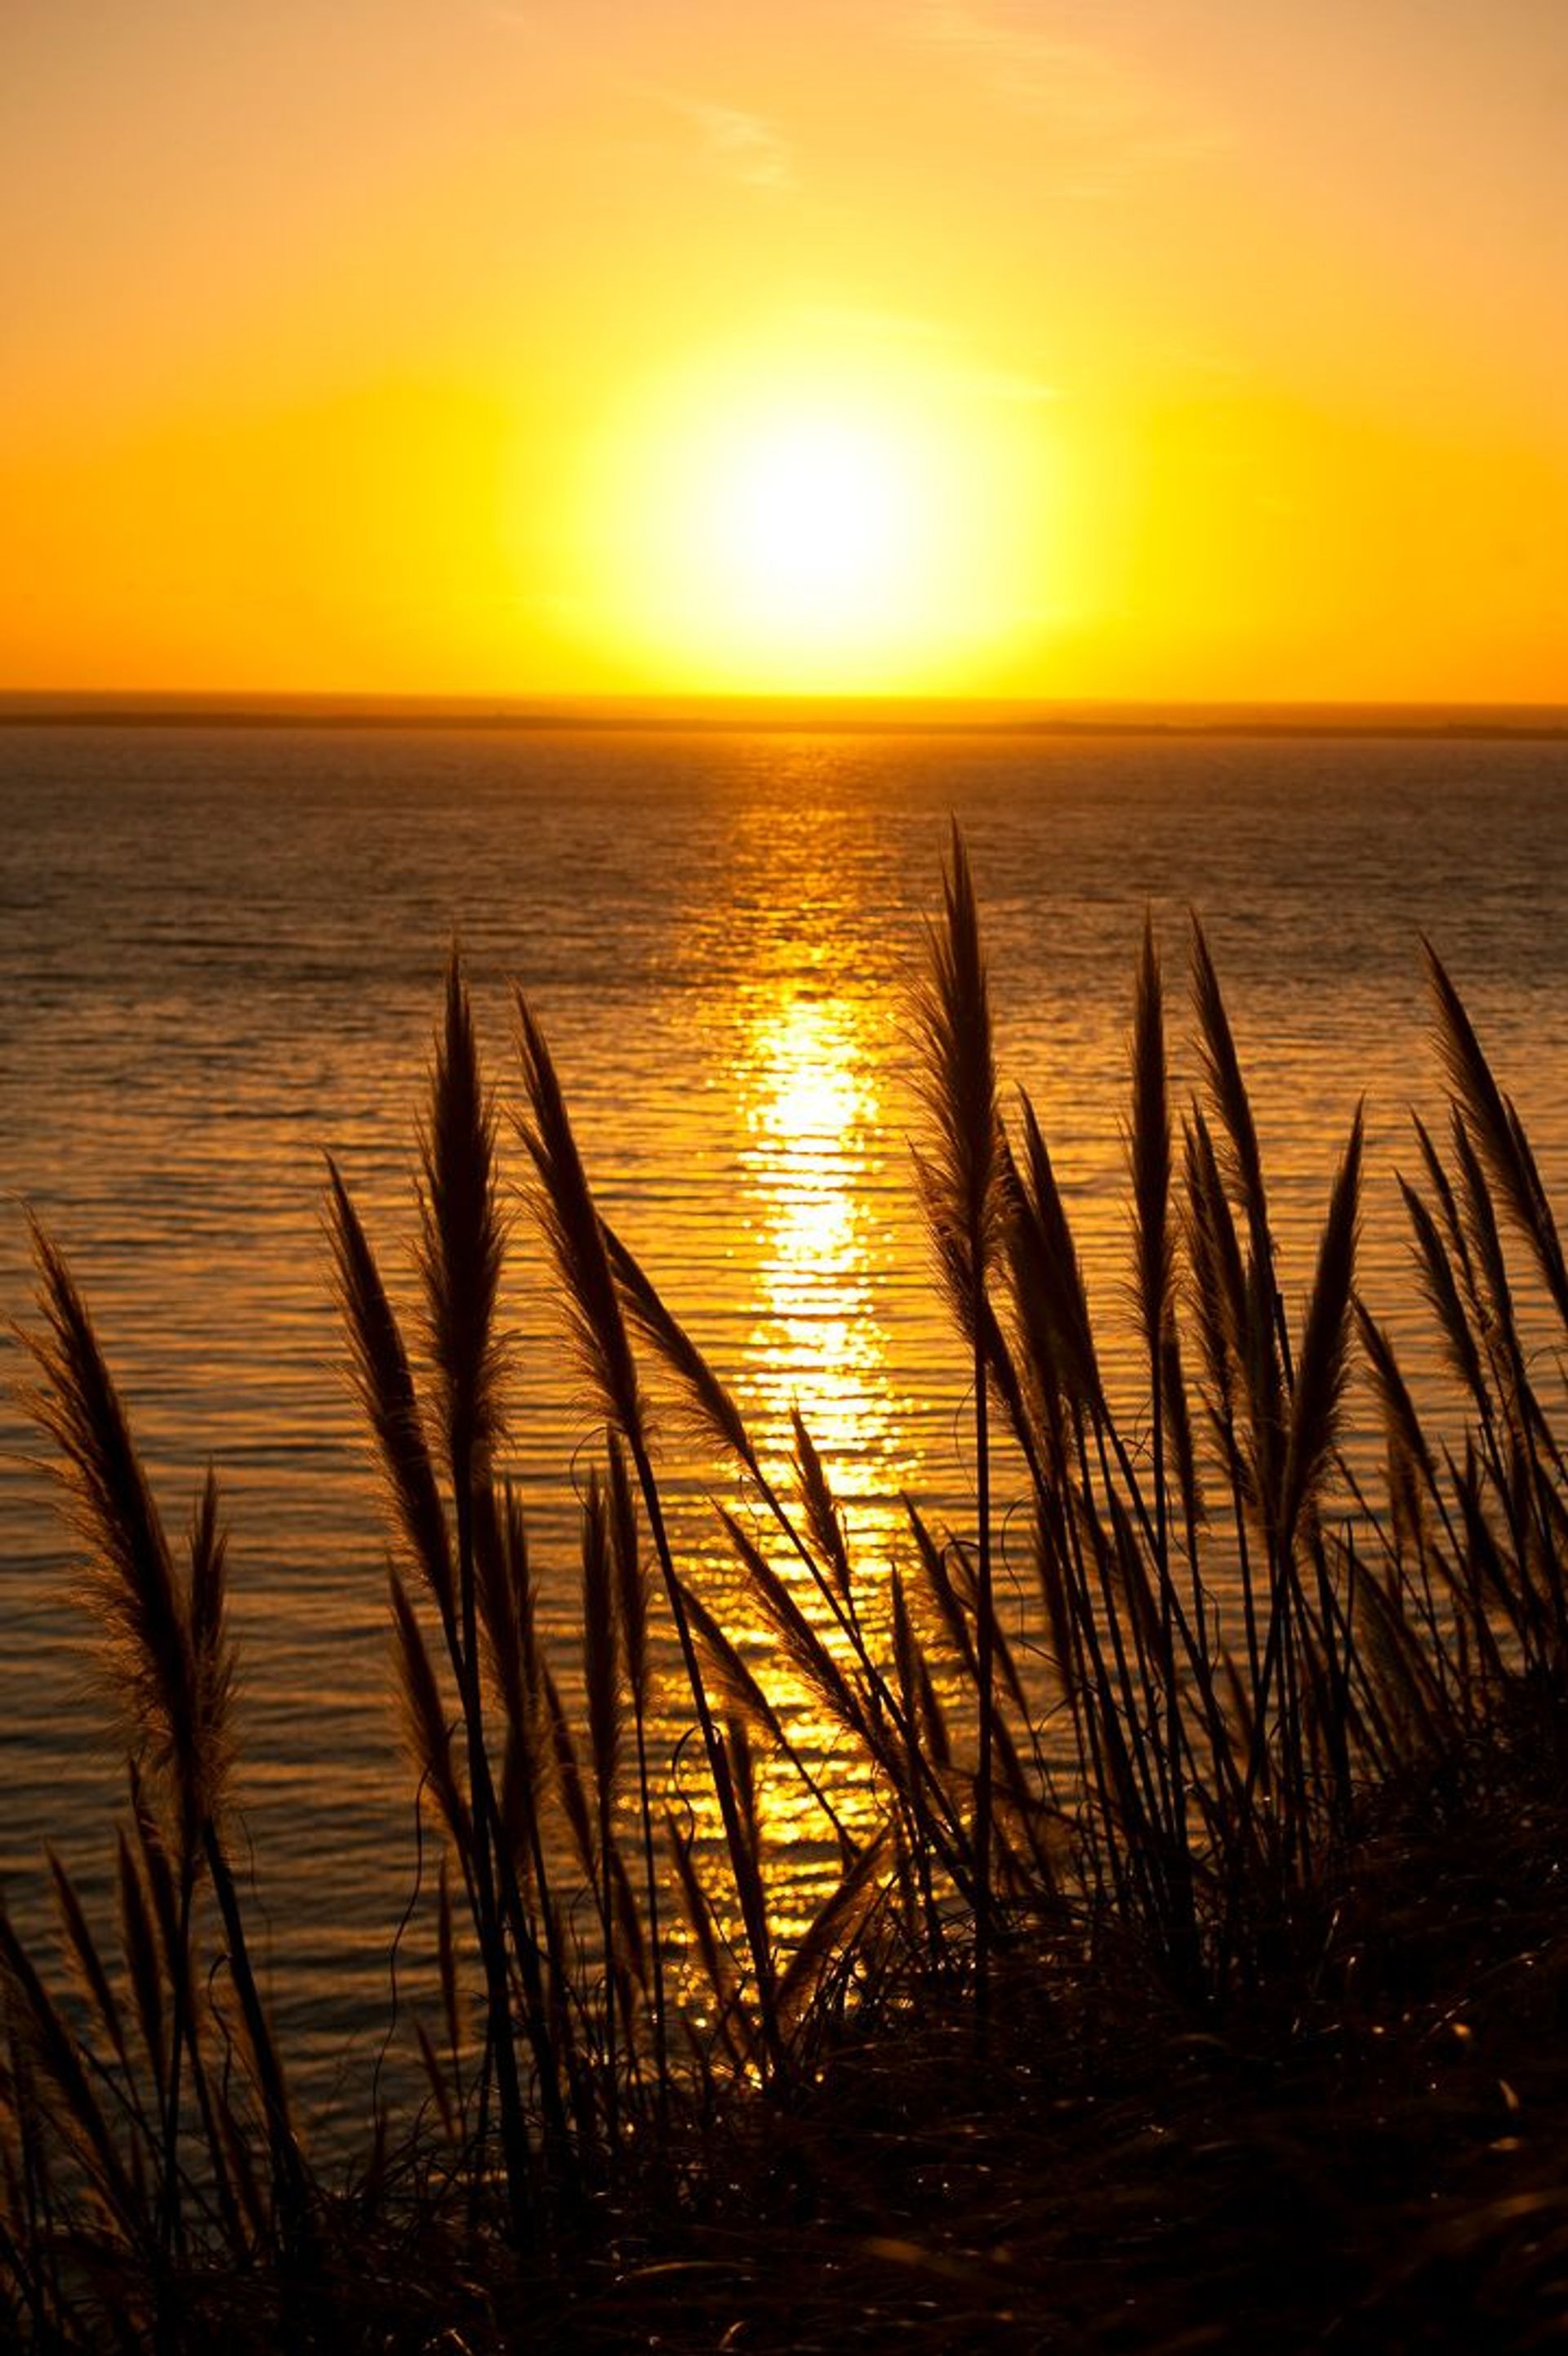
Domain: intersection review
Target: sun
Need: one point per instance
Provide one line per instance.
(816, 528)
(815, 523)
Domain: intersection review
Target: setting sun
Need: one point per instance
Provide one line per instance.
(817, 525)
(774, 520)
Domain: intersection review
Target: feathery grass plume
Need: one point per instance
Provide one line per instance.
(1217, 1287)
(569, 1783)
(1137, 1590)
(804, 1647)
(955, 1079)
(1324, 1360)
(631, 1574)
(1228, 1095)
(62, 2072)
(1154, 1288)
(931, 1740)
(213, 1662)
(167, 1644)
(1466, 1282)
(564, 1206)
(1522, 1478)
(573, 1229)
(1259, 1337)
(916, 1849)
(938, 1584)
(1542, 1225)
(833, 1928)
(1478, 1213)
(504, 1591)
(213, 1665)
(1010, 1680)
(83, 1959)
(1148, 1154)
(1442, 1290)
(1393, 1393)
(1412, 1478)
(823, 1518)
(459, 1263)
(1452, 1222)
(708, 1405)
(1048, 1287)
(175, 1709)
(385, 1383)
(1491, 1574)
(1178, 1411)
(460, 1256)
(601, 1644)
(427, 1729)
(735, 1681)
(1497, 1130)
(749, 1702)
(1297, 1633)
(462, 1241)
(1217, 1292)
(961, 1175)
(935, 1758)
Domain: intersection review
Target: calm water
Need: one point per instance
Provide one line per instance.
(221, 953)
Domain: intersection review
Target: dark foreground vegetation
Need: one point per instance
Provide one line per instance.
(1195, 1973)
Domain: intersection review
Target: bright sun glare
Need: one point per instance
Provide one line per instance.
(815, 529)
(815, 522)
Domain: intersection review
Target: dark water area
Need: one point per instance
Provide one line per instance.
(220, 951)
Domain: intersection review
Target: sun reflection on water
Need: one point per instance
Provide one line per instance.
(815, 1161)
(815, 1168)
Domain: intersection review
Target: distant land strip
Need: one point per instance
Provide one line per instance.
(720, 715)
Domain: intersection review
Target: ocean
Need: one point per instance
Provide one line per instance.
(221, 951)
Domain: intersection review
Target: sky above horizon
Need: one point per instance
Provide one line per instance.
(1174, 349)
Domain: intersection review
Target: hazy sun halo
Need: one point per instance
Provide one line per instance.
(759, 531)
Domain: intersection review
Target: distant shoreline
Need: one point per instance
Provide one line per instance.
(828, 716)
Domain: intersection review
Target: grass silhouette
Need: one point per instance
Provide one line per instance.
(1272, 1695)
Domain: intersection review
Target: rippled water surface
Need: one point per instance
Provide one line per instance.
(222, 954)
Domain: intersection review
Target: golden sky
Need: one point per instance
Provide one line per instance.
(1172, 348)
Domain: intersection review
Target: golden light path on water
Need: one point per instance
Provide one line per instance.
(825, 1304)
(810, 1088)
(811, 1109)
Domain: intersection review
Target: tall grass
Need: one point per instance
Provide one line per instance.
(1241, 1640)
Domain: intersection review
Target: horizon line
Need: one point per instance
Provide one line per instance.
(776, 713)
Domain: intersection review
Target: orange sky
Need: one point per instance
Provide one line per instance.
(1174, 349)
